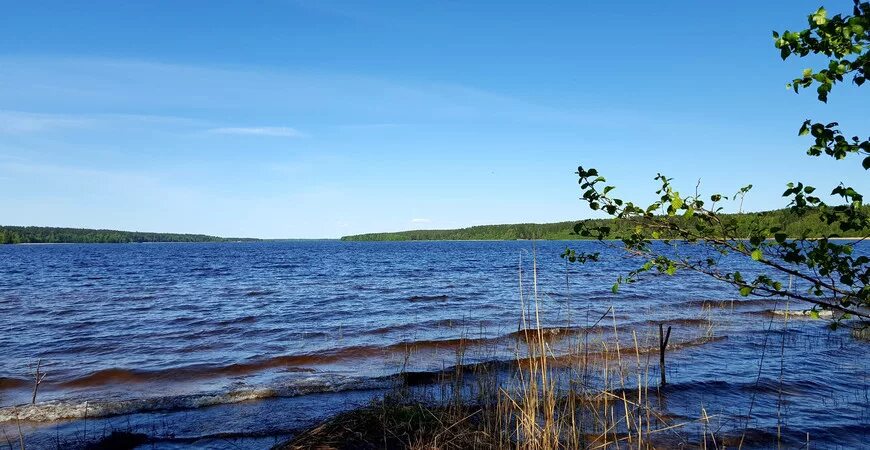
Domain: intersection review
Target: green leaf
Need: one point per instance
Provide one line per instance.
(820, 17)
(615, 288)
(757, 255)
(745, 291)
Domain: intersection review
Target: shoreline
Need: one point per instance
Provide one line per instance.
(567, 240)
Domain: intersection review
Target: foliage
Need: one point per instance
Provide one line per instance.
(806, 224)
(845, 41)
(52, 235)
(836, 278)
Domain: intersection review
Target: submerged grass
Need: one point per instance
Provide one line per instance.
(542, 401)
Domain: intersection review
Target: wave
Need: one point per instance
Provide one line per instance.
(555, 333)
(11, 383)
(300, 362)
(239, 320)
(549, 333)
(309, 361)
(796, 313)
(120, 375)
(259, 293)
(428, 298)
(598, 354)
(437, 323)
(683, 321)
(730, 303)
(310, 384)
(78, 409)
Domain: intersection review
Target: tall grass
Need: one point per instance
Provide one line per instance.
(596, 395)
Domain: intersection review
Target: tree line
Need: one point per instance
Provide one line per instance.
(807, 224)
(54, 235)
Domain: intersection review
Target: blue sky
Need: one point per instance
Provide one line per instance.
(320, 119)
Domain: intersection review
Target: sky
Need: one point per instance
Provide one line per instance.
(317, 119)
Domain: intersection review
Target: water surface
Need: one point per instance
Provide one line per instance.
(139, 328)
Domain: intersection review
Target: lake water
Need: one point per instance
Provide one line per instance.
(173, 332)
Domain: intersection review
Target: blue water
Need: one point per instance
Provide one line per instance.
(195, 325)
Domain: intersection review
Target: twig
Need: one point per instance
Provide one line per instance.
(38, 377)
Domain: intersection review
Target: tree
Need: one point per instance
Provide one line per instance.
(832, 276)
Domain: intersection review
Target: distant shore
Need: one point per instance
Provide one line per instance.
(59, 235)
(789, 222)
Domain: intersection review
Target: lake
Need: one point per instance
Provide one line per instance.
(183, 333)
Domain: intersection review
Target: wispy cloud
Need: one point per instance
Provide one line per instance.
(22, 122)
(261, 131)
(421, 221)
(370, 126)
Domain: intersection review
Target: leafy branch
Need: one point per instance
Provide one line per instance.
(835, 278)
(845, 41)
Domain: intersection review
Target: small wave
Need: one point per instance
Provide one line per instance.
(828, 436)
(695, 322)
(140, 308)
(440, 343)
(258, 293)
(598, 354)
(428, 298)
(135, 298)
(288, 362)
(547, 333)
(796, 313)
(761, 386)
(555, 333)
(239, 320)
(63, 410)
(394, 328)
(110, 376)
(312, 360)
(120, 376)
(11, 383)
(439, 323)
(194, 321)
(731, 303)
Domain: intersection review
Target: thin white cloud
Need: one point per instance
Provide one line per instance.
(370, 126)
(421, 221)
(260, 131)
(23, 122)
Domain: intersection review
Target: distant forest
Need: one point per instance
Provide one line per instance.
(52, 235)
(793, 224)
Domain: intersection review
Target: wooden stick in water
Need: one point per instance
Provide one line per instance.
(663, 344)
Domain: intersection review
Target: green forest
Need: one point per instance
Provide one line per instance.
(53, 235)
(795, 225)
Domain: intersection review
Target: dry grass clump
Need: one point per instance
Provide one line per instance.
(394, 424)
(543, 401)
